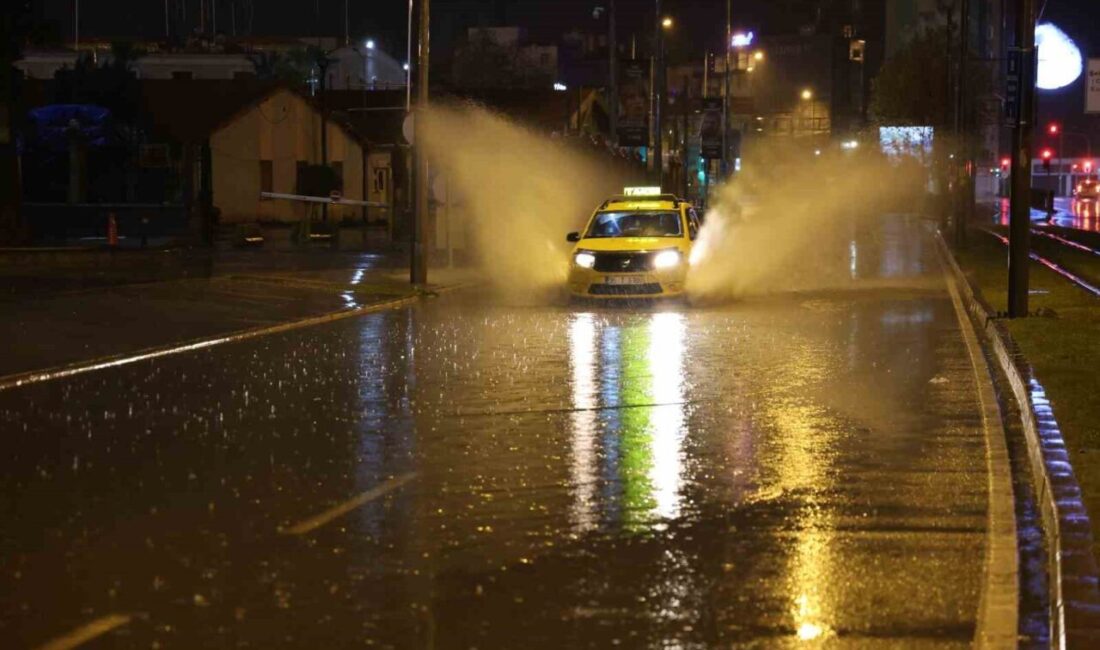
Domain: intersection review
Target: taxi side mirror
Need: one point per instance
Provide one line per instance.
(573, 237)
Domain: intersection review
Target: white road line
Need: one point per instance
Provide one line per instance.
(313, 523)
(60, 372)
(86, 632)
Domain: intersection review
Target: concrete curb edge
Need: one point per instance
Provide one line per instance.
(998, 608)
(1073, 577)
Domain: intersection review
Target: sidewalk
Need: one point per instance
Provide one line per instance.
(46, 329)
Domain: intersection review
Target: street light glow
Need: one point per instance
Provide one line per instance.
(807, 94)
(370, 43)
(405, 66)
(560, 87)
(666, 22)
(759, 55)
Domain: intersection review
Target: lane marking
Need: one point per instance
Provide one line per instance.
(315, 522)
(998, 604)
(86, 632)
(60, 372)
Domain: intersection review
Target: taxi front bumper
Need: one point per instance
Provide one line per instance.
(588, 283)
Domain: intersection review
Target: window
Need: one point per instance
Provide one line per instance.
(267, 176)
(664, 223)
(299, 171)
(693, 223)
(381, 176)
(182, 75)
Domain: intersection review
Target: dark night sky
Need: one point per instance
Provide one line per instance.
(701, 21)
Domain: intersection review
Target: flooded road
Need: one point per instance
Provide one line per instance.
(474, 473)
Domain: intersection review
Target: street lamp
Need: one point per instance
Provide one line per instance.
(369, 44)
(666, 22)
(808, 95)
(758, 56)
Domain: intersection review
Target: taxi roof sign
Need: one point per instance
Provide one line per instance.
(642, 191)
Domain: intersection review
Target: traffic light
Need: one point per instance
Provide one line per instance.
(1054, 128)
(1088, 166)
(1046, 155)
(1005, 164)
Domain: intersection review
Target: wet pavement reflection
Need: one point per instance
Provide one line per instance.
(787, 469)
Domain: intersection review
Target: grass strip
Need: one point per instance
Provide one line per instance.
(1063, 348)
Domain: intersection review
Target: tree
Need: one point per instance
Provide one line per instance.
(483, 63)
(911, 87)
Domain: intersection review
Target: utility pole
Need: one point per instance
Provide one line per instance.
(1019, 226)
(658, 79)
(964, 189)
(418, 272)
(726, 92)
(612, 76)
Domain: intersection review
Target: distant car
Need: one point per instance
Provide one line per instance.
(1087, 190)
(636, 245)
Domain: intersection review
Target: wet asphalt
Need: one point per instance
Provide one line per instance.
(793, 469)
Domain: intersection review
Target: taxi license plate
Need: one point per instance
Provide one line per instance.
(625, 279)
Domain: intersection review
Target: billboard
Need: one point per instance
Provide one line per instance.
(710, 131)
(633, 127)
(1092, 87)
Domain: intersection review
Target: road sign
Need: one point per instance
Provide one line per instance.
(1014, 78)
(1092, 87)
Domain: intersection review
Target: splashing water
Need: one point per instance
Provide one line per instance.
(520, 193)
(785, 222)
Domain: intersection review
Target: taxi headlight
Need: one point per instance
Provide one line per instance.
(666, 260)
(584, 260)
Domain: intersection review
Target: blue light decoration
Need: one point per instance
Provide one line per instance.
(1060, 61)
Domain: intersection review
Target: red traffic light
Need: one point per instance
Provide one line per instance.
(1088, 166)
(1047, 153)
(1054, 128)
(1005, 162)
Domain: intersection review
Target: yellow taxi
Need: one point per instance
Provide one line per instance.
(635, 245)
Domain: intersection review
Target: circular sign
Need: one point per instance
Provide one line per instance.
(408, 128)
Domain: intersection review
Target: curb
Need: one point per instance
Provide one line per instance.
(998, 607)
(1073, 575)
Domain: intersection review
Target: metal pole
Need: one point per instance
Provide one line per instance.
(612, 76)
(408, 60)
(1020, 212)
(167, 33)
(76, 26)
(964, 192)
(419, 263)
(726, 93)
(658, 96)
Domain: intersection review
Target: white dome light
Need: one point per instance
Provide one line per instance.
(1060, 62)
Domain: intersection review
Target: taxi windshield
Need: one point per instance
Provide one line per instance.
(636, 223)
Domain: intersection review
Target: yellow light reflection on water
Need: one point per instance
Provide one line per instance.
(666, 425)
(628, 394)
(582, 356)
